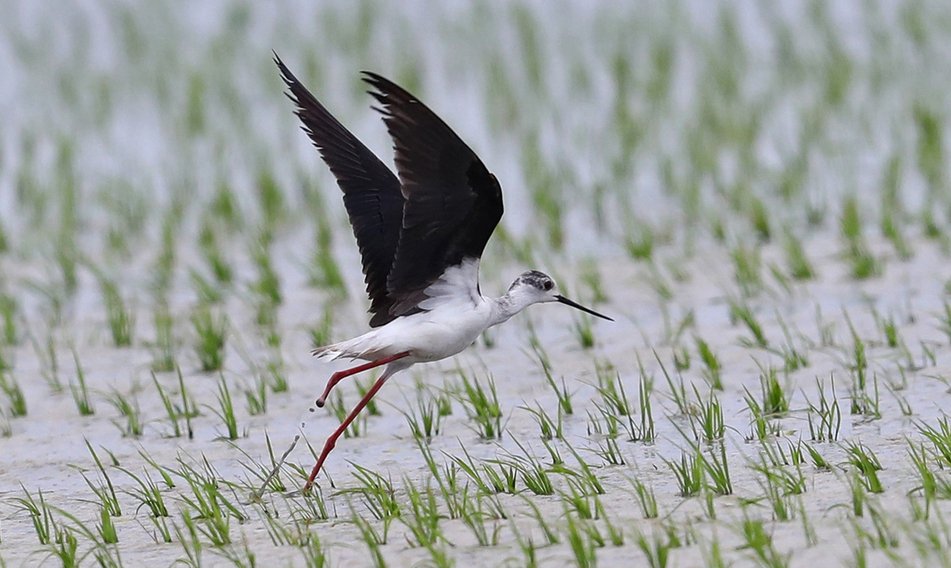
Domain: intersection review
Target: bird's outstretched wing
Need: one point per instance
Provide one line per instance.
(453, 203)
(371, 193)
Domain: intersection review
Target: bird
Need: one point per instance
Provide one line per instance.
(420, 232)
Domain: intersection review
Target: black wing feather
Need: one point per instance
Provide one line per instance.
(371, 193)
(453, 203)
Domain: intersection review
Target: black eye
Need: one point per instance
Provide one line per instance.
(548, 285)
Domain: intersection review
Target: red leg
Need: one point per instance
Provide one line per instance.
(341, 375)
(332, 440)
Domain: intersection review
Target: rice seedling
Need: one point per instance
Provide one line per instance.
(422, 518)
(658, 282)
(760, 543)
(49, 363)
(372, 538)
(548, 428)
(190, 541)
(775, 400)
(707, 423)
(646, 432)
(5, 364)
(340, 410)
(825, 418)
(678, 390)
(128, 408)
(930, 149)
(362, 388)
(120, 318)
(210, 331)
(888, 328)
(711, 364)
(689, 473)
(275, 376)
(8, 316)
(866, 465)
(646, 499)
(107, 529)
(439, 556)
(891, 229)
(603, 423)
(65, 547)
(210, 247)
(424, 419)
(268, 284)
(932, 485)
(563, 395)
(747, 267)
(674, 330)
(793, 357)
(945, 319)
(713, 554)
(208, 505)
(584, 332)
(657, 547)
(592, 282)
(325, 272)
(163, 350)
(320, 333)
(79, 390)
(454, 496)
(798, 263)
(170, 411)
(780, 484)
(481, 405)
(6, 429)
(940, 438)
(610, 452)
(681, 358)
(167, 257)
(744, 314)
(266, 477)
(476, 519)
(256, 396)
(148, 494)
(862, 263)
(762, 424)
(208, 291)
(41, 515)
(717, 469)
(225, 410)
(315, 553)
(579, 539)
(881, 536)
(15, 398)
(534, 475)
(378, 495)
(488, 480)
(105, 491)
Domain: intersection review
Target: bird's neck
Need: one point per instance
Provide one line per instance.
(503, 308)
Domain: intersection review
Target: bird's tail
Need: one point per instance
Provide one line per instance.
(328, 352)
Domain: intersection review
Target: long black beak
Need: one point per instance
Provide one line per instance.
(568, 302)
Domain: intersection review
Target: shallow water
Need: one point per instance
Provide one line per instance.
(112, 112)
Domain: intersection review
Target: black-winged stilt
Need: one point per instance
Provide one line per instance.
(421, 236)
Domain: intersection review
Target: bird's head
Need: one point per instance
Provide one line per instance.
(534, 287)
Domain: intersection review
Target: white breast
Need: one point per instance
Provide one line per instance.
(458, 285)
(454, 316)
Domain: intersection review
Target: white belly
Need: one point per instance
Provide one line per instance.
(436, 334)
(454, 314)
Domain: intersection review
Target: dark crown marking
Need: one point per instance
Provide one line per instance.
(535, 279)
